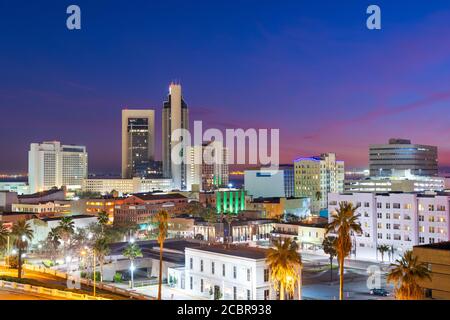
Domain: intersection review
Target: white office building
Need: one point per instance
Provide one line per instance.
(207, 166)
(126, 186)
(51, 164)
(234, 273)
(399, 220)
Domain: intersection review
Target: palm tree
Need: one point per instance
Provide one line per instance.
(162, 218)
(101, 250)
(405, 274)
(285, 266)
(132, 251)
(66, 229)
(22, 234)
(4, 234)
(53, 239)
(383, 249)
(329, 247)
(344, 223)
(103, 220)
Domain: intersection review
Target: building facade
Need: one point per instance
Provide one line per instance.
(395, 184)
(315, 177)
(264, 183)
(138, 142)
(234, 273)
(141, 208)
(400, 155)
(399, 220)
(175, 116)
(126, 186)
(51, 164)
(437, 258)
(230, 201)
(207, 166)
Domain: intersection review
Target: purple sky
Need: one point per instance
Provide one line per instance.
(312, 70)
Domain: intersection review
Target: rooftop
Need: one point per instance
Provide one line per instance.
(163, 196)
(40, 194)
(436, 246)
(80, 216)
(235, 250)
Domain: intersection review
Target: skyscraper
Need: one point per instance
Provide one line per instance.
(174, 116)
(315, 177)
(51, 164)
(400, 157)
(138, 142)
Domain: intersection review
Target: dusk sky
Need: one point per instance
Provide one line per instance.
(310, 68)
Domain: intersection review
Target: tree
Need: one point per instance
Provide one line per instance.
(344, 223)
(103, 220)
(66, 229)
(285, 266)
(405, 274)
(53, 240)
(101, 250)
(4, 234)
(383, 249)
(162, 218)
(329, 247)
(22, 233)
(132, 251)
(318, 195)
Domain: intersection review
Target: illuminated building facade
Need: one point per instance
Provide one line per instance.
(400, 155)
(51, 164)
(315, 177)
(138, 142)
(230, 201)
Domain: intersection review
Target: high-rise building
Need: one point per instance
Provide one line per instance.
(207, 166)
(399, 155)
(315, 177)
(138, 142)
(51, 164)
(174, 116)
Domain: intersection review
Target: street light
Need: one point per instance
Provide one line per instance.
(132, 268)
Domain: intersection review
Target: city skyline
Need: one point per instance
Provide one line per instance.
(347, 82)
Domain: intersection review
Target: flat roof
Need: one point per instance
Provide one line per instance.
(40, 194)
(437, 246)
(80, 216)
(235, 250)
(165, 196)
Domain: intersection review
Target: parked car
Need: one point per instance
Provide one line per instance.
(379, 292)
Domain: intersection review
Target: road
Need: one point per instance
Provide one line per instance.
(7, 294)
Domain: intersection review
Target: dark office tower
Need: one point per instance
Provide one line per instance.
(400, 158)
(174, 116)
(138, 141)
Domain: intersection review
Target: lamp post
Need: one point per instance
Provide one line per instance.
(7, 251)
(95, 276)
(132, 274)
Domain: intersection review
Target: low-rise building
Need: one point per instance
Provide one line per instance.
(228, 273)
(308, 236)
(276, 208)
(437, 258)
(47, 208)
(140, 208)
